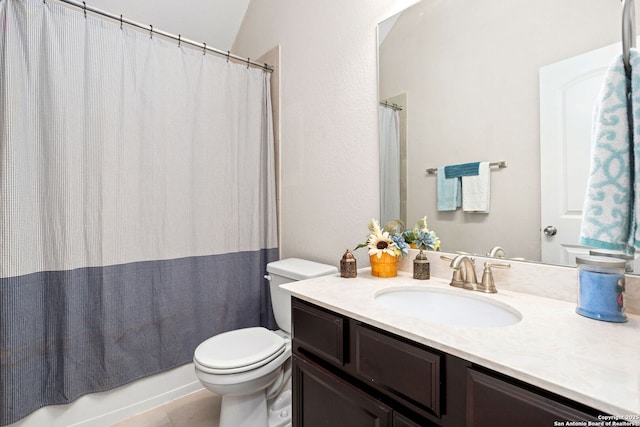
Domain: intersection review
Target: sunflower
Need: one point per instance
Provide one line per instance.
(380, 242)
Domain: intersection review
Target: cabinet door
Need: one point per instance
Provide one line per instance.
(492, 402)
(406, 371)
(322, 399)
(318, 331)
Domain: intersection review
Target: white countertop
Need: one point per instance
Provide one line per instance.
(592, 362)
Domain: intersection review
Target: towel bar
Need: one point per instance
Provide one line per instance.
(499, 165)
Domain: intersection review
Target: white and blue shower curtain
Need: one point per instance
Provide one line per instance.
(137, 203)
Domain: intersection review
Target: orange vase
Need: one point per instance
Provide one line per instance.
(385, 266)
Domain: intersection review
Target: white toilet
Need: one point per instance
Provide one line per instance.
(251, 367)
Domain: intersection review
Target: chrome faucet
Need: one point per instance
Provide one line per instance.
(466, 278)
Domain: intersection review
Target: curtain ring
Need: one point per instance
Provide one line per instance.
(228, 53)
(120, 21)
(84, 8)
(248, 62)
(204, 48)
(179, 41)
(151, 31)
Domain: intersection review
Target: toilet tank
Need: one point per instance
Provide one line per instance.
(290, 270)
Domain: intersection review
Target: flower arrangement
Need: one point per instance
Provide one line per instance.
(394, 239)
(421, 236)
(385, 240)
(389, 243)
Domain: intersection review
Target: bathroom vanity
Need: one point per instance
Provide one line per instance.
(358, 363)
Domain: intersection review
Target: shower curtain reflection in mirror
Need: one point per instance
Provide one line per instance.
(390, 164)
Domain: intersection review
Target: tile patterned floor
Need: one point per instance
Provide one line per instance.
(197, 409)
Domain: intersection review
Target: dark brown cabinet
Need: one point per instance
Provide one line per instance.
(492, 402)
(347, 373)
(326, 400)
(326, 346)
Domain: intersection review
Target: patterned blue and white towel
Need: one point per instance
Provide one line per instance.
(634, 59)
(608, 220)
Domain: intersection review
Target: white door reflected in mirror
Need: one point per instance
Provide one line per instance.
(568, 92)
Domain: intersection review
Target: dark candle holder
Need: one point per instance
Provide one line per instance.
(421, 267)
(348, 267)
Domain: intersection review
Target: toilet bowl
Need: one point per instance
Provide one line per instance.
(242, 366)
(251, 367)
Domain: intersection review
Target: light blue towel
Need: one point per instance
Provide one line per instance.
(449, 192)
(608, 216)
(464, 169)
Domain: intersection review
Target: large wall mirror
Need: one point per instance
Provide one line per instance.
(467, 76)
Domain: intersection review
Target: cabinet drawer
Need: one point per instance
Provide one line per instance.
(318, 331)
(492, 402)
(406, 371)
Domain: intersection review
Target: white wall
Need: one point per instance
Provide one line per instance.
(214, 22)
(329, 137)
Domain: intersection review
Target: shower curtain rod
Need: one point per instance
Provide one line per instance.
(393, 106)
(82, 5)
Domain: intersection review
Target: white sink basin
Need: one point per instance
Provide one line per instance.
(451, 307)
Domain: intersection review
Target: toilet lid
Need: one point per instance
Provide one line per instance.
(239, 350)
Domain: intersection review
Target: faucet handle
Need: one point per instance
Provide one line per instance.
(497, 264)
(488, 284)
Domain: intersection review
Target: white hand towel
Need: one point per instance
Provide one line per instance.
(476, 190)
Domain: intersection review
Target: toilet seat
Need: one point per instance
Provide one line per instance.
(239, 350)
